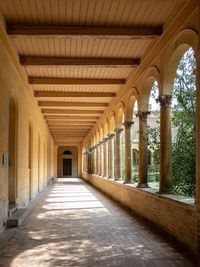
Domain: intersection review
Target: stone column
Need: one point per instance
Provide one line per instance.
(100, 159)
(165, 144)
(92, 160)
(143, 150)
(88, 161)
(127, 152)
(117, 151)
(110, 156)
(105, 157)
(97, 159)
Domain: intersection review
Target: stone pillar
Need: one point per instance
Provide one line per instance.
(117, 151)
(105, 157)
(165, 144)
(97, 159)
(102, 160)
(127, 152)
(88, 161)
(99, 163)
(143, 150)
(92, 160)
(110, 156)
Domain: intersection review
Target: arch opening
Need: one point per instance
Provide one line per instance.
(183, 125)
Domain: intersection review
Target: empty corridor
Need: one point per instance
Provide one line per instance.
(73, 224)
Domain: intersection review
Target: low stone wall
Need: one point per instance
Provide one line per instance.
(3, 213)
(177, 218)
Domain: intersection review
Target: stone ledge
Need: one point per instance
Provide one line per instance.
(183, 201)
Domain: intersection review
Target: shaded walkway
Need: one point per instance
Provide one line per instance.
(75, 225)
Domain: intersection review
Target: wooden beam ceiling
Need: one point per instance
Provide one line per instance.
(83, 31)
(82, 112)
(71, 104)
(72, 81)
(71, 94)
(67, 61)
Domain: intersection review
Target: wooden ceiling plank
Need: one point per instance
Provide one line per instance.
(82, 31)
(71, 104)
(71, 94)
(67, 61)
(72, 81)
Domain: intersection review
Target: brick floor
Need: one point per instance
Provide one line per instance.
(75, 225)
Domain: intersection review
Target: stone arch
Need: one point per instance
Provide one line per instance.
(132, 97)
(105, 128)
(151, 75)
(101, 133)
(120, 114)
(13, 148)
(111, 123)
(98, 135)
(179, 45)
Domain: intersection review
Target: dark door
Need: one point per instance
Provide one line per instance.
(67, 167)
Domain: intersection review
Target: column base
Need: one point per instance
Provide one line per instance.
(142, 185)
(165, 191)
(127, 182)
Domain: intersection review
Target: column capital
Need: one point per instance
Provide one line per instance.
(118, 130)
(106, 139)
(110, 136)
(128, 124)
(103, 140)
(164, 100)
(143, 115)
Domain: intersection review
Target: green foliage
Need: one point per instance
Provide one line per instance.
(184, 108)
(153, 141)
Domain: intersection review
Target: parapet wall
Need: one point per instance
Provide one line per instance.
(176, 218)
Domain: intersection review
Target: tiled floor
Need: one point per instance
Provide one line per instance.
(75, 225)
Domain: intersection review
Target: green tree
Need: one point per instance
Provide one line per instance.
(183, 120)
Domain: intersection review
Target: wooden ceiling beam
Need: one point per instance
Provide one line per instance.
(71, 104)
(68, 135)
(81, 121)
(71, 94)
(72, 81)
(82, 112)
(62, 133)
(35, 30)
(71, 122)
(70, 118)
(67, 61)
(72, 127)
